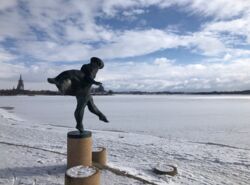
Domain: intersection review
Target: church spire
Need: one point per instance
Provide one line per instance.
(20, 85)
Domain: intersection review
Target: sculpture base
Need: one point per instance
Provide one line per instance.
(79, 148)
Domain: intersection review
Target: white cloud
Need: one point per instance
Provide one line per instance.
(133, 12)
(219, 9)
(163, 61)
(110, 7)
(174, 77)
(205, 43)
(12, 25)
(227, 57)
(5, 55)
(72, 27)
(138, 42)
(6, 4)
(128, 43)
(52, 52)
(160, 74)
(235, 27)
(8, 71)
(68, 31)
(34, 75)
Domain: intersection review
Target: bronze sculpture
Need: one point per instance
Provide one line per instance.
(78, 83)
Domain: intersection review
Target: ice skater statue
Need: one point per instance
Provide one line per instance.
(78, 83)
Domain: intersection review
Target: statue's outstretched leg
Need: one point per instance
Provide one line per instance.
(79, 112)
(92, 108)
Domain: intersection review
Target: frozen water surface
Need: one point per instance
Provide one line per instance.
(206, 137)
(216, 119)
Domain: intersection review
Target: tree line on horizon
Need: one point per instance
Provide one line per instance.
(102, 91)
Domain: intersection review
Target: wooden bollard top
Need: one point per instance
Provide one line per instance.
(77, 134)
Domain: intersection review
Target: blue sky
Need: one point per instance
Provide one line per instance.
(151, 45)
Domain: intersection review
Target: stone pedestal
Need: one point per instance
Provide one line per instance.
(79, 149)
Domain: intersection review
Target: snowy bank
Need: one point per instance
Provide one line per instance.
(35, 154)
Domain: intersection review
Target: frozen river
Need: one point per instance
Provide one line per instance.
(205, 137)
(216, 119)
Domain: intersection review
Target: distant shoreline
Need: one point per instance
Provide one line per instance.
(15, 92)
(246, 92)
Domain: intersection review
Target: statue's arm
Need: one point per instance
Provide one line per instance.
(88, 77)
(92, 108)
(91, 80)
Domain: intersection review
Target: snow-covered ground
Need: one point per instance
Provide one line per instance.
(35, 153)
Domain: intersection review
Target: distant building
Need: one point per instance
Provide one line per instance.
(20, 85)
(98, 90)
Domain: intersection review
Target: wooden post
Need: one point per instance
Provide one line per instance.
(82, 175)
(79, 149)
(99, 155)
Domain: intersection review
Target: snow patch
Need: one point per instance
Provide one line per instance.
(97, 149)
(81, 171)
(10, 116)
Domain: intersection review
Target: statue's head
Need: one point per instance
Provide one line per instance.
(96, 62)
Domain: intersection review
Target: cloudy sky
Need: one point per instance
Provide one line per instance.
(150, 45)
